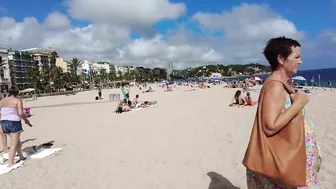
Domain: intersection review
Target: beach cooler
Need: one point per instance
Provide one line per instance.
(27, 111)
(114, 97)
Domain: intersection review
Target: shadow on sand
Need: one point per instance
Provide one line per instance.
(220, 182)
(32, 149)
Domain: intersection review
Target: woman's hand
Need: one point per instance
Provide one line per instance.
(28, 123)
(300, 98)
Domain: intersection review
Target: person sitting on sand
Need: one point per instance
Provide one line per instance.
(123, 106)
(169, 88)
(249, 101)
(148, 90)
(237, 99)
(11, 109)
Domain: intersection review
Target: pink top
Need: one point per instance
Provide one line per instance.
(10, 114)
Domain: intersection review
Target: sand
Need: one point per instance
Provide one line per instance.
(182, 142)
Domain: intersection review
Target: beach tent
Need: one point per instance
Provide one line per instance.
(299, 78)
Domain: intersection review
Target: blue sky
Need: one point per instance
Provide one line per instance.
(313, 19)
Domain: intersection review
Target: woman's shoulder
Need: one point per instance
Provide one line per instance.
(273, 86)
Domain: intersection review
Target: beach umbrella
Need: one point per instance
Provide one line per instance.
(255, 78)
(299, 78)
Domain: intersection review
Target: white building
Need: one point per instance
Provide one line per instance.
(102, 65)
(97, 67)
(86, 66)
(215, 75)
(5, 81)
(123, 69)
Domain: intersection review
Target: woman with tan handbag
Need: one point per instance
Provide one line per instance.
(282, 151)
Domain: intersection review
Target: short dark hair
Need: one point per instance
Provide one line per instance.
(279, 46)
(137, 96)
(13, 91)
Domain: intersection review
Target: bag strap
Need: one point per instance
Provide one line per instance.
(285, 85)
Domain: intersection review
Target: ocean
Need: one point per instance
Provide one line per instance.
(325, 75)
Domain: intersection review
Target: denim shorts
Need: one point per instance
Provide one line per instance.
(11, 127)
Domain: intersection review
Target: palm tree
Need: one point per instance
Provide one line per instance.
(57, 76)
(34, 76)
(103, 75)
(74, 63)
(120, 75)
(53, 56)
(112, 76)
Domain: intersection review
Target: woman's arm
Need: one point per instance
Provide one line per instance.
(272, 118)
(22, 114)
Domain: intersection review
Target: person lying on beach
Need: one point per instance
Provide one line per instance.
(137, 103)
(237, 99)
(148, 90)
(147, 104)
(249, 101)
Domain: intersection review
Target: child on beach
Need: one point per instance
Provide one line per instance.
(249, 101)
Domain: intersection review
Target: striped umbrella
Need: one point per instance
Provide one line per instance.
(299, 78)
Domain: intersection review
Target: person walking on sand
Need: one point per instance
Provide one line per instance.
(11, 114)
(280, 121)
(329, 84)
(99, 93)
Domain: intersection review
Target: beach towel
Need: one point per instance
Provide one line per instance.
(189, 90)
(38, 154)
(4, 168)
(44, 152)
(236, 105)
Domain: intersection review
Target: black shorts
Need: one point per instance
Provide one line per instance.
(127, 95)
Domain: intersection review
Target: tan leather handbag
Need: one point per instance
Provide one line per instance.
(282, 157)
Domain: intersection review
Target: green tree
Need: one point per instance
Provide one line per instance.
(35, 77)
(112, 76)
(57, 77)
(103, 75)
(53, 56)
(74, 64)
(120, 75)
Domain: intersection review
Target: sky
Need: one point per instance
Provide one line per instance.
(188, 33)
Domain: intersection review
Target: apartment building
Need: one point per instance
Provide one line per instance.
(63, 64)
(5, 81)
(20, 64)
(42, 57)
(86, 66)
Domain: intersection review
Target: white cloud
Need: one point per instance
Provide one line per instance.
(244, 31)
(248, 22)
(126, 12)
(25, 34)
(157, 52)
(57, 20)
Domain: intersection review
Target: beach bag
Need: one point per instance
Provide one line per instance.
(282, 157)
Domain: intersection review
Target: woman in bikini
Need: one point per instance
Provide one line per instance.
(248, 100)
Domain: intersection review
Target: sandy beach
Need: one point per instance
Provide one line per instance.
(188, 140)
